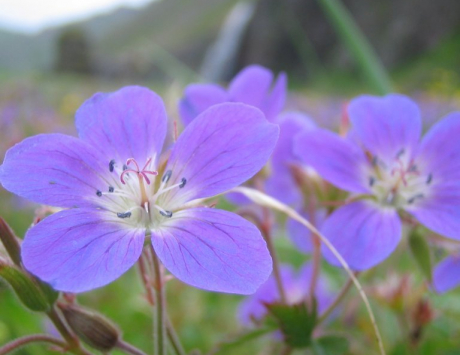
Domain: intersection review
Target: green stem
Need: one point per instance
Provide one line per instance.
(336, 302)
(29, 339)
(174, 339)
(357, 44)
(159, 335)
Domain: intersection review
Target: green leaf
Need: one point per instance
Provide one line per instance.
(330, 345)
(355, 41)
(421, 252)
(296, 322)
(28, 291)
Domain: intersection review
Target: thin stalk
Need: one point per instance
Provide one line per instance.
(357, 44)
(29, 339)
(265, 229)
(268, 201)
(159, 331)
(174, 339)
(128, 348)
(336, 302)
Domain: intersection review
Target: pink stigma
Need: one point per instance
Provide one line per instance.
(140, 173)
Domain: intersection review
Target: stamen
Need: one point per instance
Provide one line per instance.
(124, 214)
(111, 189)
(111, 165)
(400, 153)
(125, 167)
(165, 213)
(413, 198)
(371, 181)
(166, 176)
(429, 179)
(99, 193)
(182, 182)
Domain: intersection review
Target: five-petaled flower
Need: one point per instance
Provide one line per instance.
(116, 193)
(383, 161)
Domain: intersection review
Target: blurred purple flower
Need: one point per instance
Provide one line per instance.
(386, 164)
(107, 180)
(301, 236)
(281, 183)
(296, 286)
(252, 86)
(446, 275)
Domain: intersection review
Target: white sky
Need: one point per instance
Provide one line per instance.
(31, 16)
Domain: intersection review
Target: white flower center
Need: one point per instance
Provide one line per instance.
(399, 182)
(133, 193)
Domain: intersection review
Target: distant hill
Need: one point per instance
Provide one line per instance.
(127, 39)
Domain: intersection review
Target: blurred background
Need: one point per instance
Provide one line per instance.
(54, 55)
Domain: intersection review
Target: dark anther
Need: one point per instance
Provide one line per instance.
(400, 153)
(166, 214)
(182, 183)
(371, 180)
(412, 199)
(166, 176)
(111, 165)
(124, 214)
(111, 189)
(99, 193)
(374, 161)
(429, 179)
(412, 168)
(125, 167)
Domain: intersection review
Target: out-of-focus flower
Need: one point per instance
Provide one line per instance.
(296, 287)
(107, 180)
(446, 275)
(252, 86)
(383, 163)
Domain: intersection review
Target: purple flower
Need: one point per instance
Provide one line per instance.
(446, 275)
(281, 183)
(117, 197)
(251, 86)
(384, 162)
(296, 286)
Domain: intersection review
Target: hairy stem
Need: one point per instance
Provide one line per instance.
(128, 348)
(159, 335)
(336, 302)
(29, 339)
(268, 201)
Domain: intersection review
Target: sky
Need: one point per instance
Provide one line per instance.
(31, 16)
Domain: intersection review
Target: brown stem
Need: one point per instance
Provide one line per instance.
(265, 228)
(128, 348)
(29, 339)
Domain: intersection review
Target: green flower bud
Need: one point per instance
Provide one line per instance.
(28, 290)
(91, 327)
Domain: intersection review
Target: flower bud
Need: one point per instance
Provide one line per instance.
(91, 327)
(10, 241)
(27, 289)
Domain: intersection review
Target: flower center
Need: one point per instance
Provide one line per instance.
(132, 194)
(398, 182)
